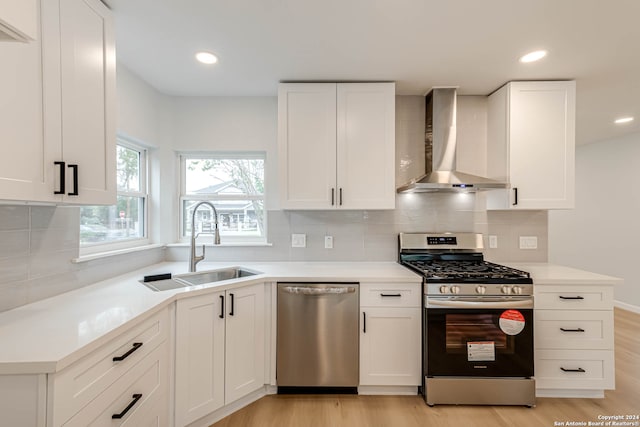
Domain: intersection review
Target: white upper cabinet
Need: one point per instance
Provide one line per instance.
(337, 145)
(531, 145)
(18, 20)
(58, 117)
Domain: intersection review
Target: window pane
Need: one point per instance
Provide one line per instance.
(128, 169)
(123, 221)
(224, 176)
(240, 218)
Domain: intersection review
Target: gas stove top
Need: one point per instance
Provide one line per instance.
(449, 258)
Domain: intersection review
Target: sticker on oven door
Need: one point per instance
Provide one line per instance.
(511, 322)
(481, 351)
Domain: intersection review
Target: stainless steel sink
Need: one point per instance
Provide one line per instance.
(203, 277)
(199, 278)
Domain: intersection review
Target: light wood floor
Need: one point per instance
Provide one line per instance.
(409, 411)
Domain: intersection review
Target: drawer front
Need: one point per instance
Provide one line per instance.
(555, 329)
(74, 387)
(391, 294)
(140, 397)
(574, 297)
(575, 369)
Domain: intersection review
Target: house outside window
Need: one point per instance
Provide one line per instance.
(234, 184)
(124, 223)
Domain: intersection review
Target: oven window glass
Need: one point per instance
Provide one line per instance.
(464, 328)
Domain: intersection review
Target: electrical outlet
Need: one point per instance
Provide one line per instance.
(328, 242)
(528, 242)
(298, 240)
(493, 241)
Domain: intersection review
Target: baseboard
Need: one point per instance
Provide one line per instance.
(230, 408)
(625, 306)
(388, 390)
(584, 394)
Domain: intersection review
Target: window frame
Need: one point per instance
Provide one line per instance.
(184, 197)
(142, 193)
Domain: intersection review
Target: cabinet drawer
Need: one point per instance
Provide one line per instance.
(80, 383)
(390, 294)
(555, 329)
(574, 369)
(144, 391)
(574, 297)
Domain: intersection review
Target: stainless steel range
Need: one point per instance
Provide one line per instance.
(478, 322)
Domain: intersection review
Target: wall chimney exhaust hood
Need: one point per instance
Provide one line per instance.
(440, 150)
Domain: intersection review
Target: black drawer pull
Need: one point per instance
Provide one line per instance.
(221, 315)
(232, 304)
(391, 295)
(62, 177)
(136, 345)
(135, 397)
(515, 196)
(572, 370)
(563, 297)
(572, 330)
(74, 169)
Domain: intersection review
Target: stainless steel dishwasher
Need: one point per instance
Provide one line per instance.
(317, 335)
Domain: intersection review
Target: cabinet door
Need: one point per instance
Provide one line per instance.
(531, 144)
(307, 145)
(245, 329)
(390, 346)
(199, 357)
(18, 20)
(366, 145)
(87, 73)
(25, 173)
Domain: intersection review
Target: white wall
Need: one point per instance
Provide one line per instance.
(601, 233)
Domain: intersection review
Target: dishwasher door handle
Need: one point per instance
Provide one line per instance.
(310, 290)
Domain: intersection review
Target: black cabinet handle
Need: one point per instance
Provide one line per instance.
(333, 196)
(515, 196)
(341, 197)
(74, 169)
(364, 322)
(232, 301)
(391, 295)
(572, 370)
(221, 307)
(135, 397)
(136, 345)
(572, 330)
(563, 297)
(62, 177)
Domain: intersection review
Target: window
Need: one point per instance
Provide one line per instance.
(234, 184)
(124, 221)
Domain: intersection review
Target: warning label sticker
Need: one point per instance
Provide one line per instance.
(511, 322)
(481, 351)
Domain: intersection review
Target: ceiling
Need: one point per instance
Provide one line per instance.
(416, 43)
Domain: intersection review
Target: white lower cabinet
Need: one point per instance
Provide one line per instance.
(574, 348)
(390, 337)
(220, 341)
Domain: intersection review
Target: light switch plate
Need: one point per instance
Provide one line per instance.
(328, 242)
(493, 241)
(298, 240)
(528, 242)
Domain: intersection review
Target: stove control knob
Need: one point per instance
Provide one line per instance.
(481, 290)
(517, 290)
(505, 290)
(455, 289)
(444, 289)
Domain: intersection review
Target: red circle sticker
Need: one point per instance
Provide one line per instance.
(511, 322)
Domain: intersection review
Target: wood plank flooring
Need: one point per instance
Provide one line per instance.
(410, 411)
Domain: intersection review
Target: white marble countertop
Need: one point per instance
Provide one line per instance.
(49, 335)
(552, 274)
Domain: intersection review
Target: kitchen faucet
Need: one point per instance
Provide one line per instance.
(193, 258)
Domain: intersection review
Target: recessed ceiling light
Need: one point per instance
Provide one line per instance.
(206, 57)
(533, 56)
(623, 120)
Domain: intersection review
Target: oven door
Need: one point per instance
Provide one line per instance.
(486, 337)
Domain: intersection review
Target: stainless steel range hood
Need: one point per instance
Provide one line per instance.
(440, 150)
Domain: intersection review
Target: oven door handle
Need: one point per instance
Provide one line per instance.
(448, 303)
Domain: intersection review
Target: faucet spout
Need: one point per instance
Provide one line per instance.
(193, 257)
